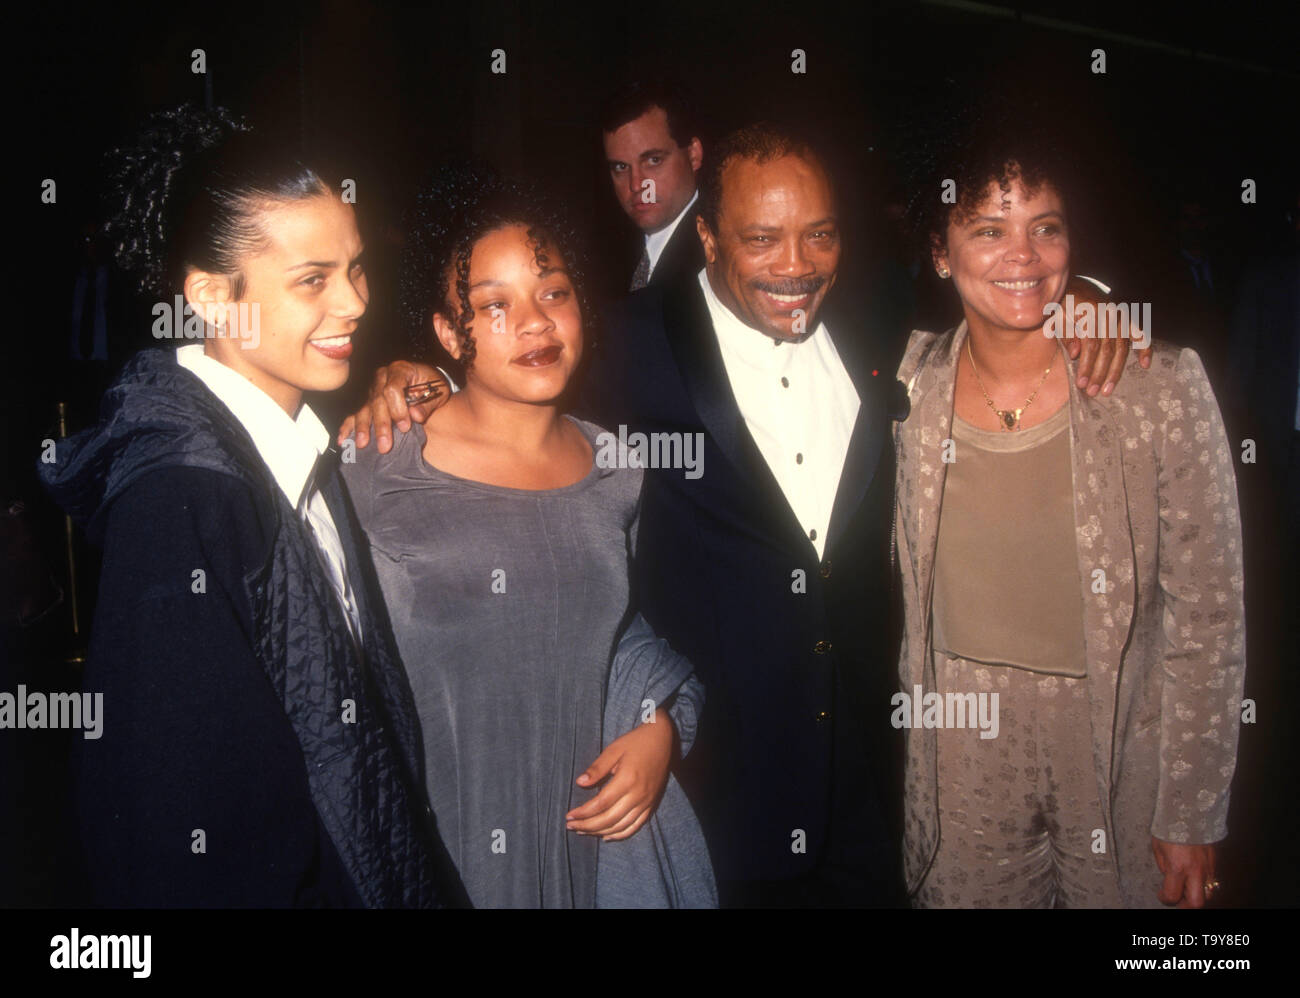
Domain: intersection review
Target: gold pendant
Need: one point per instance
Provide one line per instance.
(1011, 418)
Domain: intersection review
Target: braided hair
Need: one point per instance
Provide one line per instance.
(455, 208)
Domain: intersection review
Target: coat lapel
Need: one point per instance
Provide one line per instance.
(1105, 545)
(870, 430)
(378, 664)
(920, 476)
(695, 348)
(921, 487)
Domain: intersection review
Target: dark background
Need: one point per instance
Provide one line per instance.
(1194, 100)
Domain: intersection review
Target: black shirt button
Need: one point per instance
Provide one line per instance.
(826, 569)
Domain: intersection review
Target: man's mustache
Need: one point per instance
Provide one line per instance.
(793, 287)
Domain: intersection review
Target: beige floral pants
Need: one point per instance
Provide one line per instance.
(1020, 819)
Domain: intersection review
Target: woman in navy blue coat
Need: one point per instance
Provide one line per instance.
(259, 745)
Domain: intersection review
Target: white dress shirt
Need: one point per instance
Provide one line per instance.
(800, 406)
(290, 449)
(656, 241)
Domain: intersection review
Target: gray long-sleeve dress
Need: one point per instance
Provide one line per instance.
(506, 605)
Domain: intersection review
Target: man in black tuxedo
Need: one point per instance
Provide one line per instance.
(771, 569)
(653, 151)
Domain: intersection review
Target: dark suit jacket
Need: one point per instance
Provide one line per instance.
(682, 258)
(795, 770)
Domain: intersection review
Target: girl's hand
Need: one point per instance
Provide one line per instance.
(637, 767)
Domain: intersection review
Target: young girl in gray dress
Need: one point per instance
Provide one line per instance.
(502, 550)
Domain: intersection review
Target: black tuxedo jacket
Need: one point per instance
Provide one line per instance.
(796, 769)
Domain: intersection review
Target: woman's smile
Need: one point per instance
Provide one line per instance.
(334, 347)
(1018, 287)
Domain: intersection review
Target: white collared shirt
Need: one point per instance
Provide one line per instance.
(656, 241)
(800, 406)
(290, 449)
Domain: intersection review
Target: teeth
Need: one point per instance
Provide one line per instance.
(1018, 285)
(335, 341)
(787, 298)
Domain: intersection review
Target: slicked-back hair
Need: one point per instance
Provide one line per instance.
(189, 192)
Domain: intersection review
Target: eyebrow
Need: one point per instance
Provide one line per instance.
(820, 223)
(322, 264)
(491, 283)
(993, 218)
(640, 156)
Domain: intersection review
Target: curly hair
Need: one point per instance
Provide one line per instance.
(188, 192)
(455, 208)
(993, 137)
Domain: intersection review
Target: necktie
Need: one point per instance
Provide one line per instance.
(642, 275)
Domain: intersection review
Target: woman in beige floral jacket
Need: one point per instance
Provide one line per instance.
(1031, 816)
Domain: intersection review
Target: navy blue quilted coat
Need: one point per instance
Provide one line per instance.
(250, 755)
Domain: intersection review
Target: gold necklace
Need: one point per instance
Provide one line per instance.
(1009, 418)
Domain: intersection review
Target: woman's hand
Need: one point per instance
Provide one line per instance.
(387, 404)
(1187, 870)
(637, 766)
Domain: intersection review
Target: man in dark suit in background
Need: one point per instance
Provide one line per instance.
(653, 151)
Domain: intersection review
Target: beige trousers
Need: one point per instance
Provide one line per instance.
(1020, 820)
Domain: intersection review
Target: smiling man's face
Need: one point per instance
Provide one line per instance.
(777, 247)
